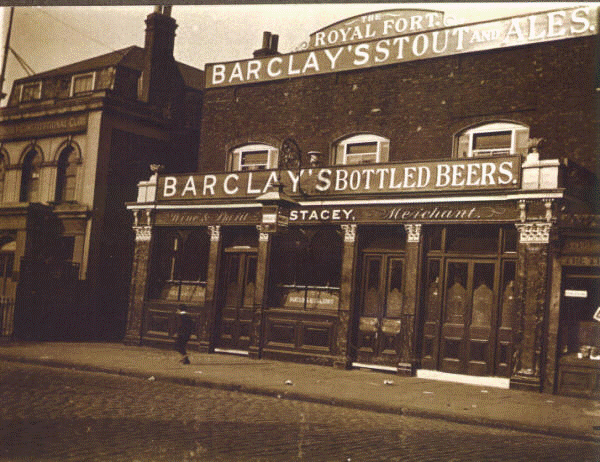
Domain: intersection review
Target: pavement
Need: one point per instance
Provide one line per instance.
(357, 388)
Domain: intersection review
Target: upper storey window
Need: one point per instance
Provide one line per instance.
(30, 176)
(362, 149)
(494, 139)
(253, 157)
(31, 91)
(82, 83)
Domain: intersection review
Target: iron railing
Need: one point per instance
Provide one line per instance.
(7, 317)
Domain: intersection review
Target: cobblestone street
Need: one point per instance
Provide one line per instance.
(49, 414)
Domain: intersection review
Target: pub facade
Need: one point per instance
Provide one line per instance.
(402, 194)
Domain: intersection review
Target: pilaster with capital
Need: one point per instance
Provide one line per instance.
(139, 276)
(343, 359)
(531, 288)
(207, 326)
(407, 362)
(262, 265)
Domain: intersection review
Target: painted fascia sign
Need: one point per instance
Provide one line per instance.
(387, 48)
(497, 173)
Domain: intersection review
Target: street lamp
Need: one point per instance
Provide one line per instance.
(276, 206)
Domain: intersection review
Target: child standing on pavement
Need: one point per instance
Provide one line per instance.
(185, 326)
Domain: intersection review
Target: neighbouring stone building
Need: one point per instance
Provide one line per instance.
(74, 143)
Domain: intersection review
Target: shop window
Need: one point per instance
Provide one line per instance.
(306, 269)
(494, 139)
(253, 157)
(31, 91)
(362, 149)
(181, 267)
(82, 83)
(66, 175)
(30, 176)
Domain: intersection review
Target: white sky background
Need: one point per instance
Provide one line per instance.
(50, 37)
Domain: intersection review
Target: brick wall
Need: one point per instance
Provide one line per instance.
(418, 105)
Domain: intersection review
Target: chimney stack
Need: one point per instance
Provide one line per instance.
(158, 52)
(269, 45)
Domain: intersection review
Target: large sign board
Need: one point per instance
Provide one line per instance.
(44, 127)
(378, 24)
(352, 55)
(451, 175)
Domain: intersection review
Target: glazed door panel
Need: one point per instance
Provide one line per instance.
(378, 335)
(237, 301)
(468, 315)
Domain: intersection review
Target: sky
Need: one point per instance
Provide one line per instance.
(47, 37)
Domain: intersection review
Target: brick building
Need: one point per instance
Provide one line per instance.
(74, 143)
(401, 195)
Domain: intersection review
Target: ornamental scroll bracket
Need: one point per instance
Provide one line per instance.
(534, 232)
(143, 233)
(215, 233)
(413, 231)
(349, 233)
(142, 219)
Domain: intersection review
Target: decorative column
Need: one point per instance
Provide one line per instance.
(531, 293)
(262, 265)
(139, 276)
(407, 363)
(206, 327)
(343, 359)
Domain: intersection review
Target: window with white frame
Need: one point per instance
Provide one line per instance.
(253, 157)
(493, 139)
(362, 149)
(31, 91)
(82, 83)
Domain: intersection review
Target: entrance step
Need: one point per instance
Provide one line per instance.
(496, 382)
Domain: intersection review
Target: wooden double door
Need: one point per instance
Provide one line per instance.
(236, 300)
(461, 312)
(378, 334)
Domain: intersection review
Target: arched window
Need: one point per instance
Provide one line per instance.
(30, 176)
(253, 157)
(3, 166)
(362, 149)
(66, 175)
(492, 139)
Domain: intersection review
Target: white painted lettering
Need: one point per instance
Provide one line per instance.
(251, 190)
(253, 69)
(218, 74)
(311, 63)
(236, 73)
(324, 180)
(505, 175)
(226, 188)
(383, 53)
(443, 176)
(341, 180)
(332, 58)
(209, 184)
(170, 186)
(270, 72)
(190, 186)
(487, 174)
(555, 20)
(584, 21)
(361, 51)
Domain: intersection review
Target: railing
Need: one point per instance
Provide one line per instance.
(7, 316)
